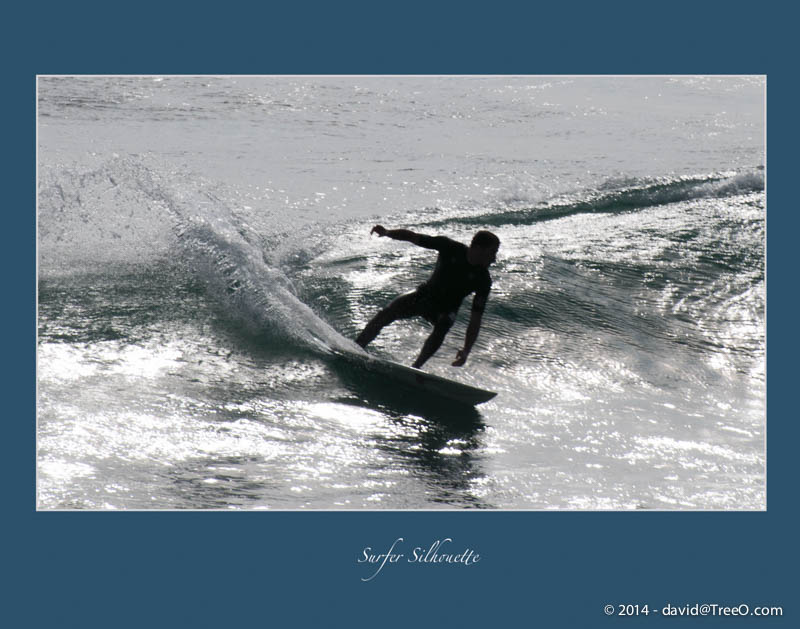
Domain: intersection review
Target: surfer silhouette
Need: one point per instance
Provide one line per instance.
(460, 270)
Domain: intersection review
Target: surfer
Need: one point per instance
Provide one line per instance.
(460, 270)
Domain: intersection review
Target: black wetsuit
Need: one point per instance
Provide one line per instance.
(437, 299)
(453, 279)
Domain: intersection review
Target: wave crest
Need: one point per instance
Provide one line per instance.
(619, 195)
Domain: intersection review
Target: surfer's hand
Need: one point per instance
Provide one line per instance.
(378, 229)
(461, 358)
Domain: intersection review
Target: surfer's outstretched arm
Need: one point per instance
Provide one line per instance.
(440, 243)
(397, 234)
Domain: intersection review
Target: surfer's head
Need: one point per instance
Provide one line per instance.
(483, 248)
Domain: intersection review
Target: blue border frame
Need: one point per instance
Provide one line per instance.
(299, 569)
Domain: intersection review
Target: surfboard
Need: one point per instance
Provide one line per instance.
(419, 380)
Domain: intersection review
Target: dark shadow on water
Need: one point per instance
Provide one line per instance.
(441, 448)
(439, 440)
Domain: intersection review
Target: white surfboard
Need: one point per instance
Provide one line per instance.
(420, 380)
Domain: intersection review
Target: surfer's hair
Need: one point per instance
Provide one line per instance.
(486, 239)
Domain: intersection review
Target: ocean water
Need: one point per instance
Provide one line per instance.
(203, 245)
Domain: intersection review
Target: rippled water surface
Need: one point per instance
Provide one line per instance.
(204, 245)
